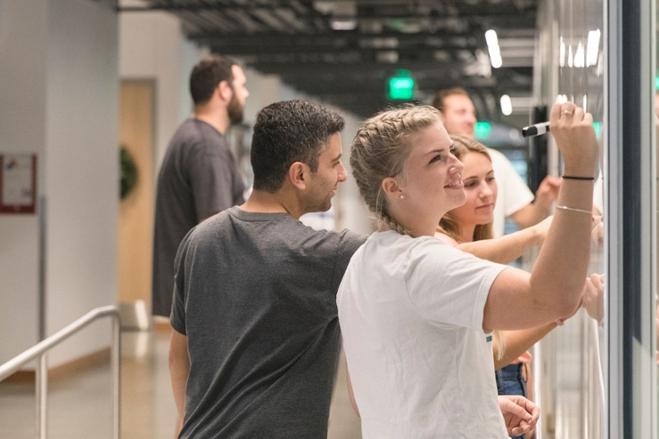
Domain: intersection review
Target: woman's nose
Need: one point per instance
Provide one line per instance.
(485, 190)
(456, 166)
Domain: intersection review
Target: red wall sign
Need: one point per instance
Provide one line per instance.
(18, 183)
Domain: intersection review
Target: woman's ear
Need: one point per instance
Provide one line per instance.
(297, 175)
(390, 187)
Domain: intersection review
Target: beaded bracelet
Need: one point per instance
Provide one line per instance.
(574, 177)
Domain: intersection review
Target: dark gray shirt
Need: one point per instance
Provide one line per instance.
(198, 178)
(255, 294)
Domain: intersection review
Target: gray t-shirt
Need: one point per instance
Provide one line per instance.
(255, 293)
(198, 178)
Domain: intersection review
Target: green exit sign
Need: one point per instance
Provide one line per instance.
(482, 130)
(400, 87)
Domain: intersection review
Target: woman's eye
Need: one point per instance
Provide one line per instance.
(437, 157)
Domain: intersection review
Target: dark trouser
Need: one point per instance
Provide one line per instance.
(510, 382)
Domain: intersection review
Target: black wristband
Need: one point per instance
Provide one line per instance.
(574, 177)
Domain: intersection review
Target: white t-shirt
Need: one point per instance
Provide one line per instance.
(513, 194)
(411, 315)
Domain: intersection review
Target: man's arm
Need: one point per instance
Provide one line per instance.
(179, 368)
(535, 212)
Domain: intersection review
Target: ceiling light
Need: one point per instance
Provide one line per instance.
(493, 48)
(387, 56)
(506, 105)
(580, 56)
(593, 47)
(343, 23)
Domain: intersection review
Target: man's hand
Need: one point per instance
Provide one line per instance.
(597, 234)
(547, 191)
(593, 296)
(545, 197)
(519, 413)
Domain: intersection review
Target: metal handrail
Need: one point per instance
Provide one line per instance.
(40, 350)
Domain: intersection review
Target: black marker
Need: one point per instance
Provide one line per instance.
(536, 130)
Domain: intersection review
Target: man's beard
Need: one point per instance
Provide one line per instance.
(235, 110)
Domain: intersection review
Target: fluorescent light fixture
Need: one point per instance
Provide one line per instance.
(493, 48)
(343, 23)
(593, 47)
(570, 56)
(387, 56)
(580, 56)
(584, 105)
(506, 105)
(561, 53)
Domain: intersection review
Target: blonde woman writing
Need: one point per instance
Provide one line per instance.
(415, 312)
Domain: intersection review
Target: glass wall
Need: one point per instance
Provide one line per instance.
(630, 200)
(570, 364)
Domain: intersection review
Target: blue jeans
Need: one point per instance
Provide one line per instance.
(510, 382)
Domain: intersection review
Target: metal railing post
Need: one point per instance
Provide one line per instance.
(116, 373)
(41, 390)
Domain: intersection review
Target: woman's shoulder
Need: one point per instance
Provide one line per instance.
(444, 238)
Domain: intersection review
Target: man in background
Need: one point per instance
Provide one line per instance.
(514, 199)
(198, 176)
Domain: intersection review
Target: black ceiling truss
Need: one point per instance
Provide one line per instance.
(343, 51)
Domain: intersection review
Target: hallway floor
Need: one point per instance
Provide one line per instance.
(80, 405)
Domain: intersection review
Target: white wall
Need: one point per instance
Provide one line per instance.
(58, 98)
(22, 130)
(82, 182)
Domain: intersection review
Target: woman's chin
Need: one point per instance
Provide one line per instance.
(485, 220)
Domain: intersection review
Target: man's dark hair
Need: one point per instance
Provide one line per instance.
(287, 132)
(207, 74)
(441, 95)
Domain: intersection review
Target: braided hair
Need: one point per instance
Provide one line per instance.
(379, 150)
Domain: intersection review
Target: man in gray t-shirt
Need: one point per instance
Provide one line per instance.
(198, 176)
(256, 337)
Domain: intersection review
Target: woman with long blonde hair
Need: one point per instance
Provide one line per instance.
(472, 222)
